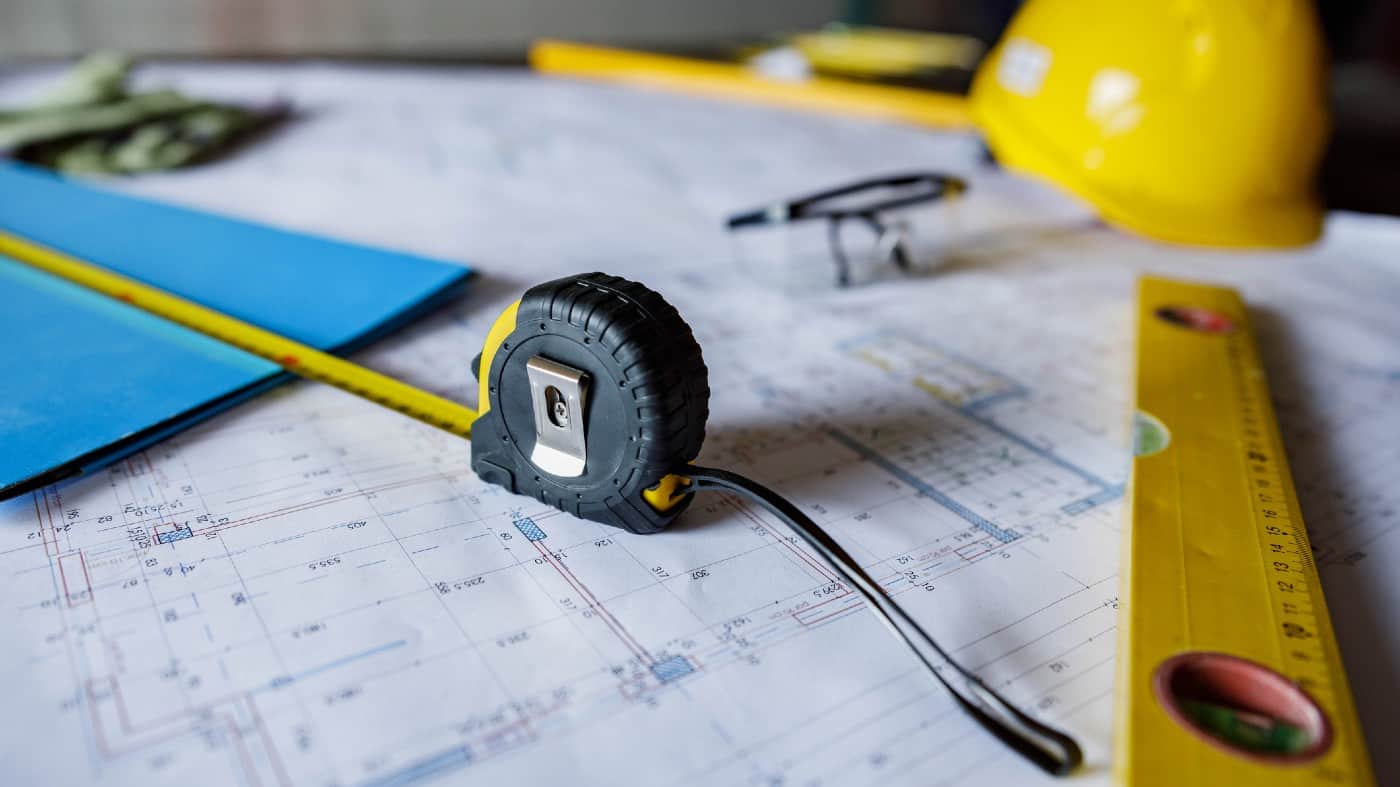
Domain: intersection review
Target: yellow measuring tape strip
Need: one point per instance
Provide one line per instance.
(293, 356)
(1228, 669)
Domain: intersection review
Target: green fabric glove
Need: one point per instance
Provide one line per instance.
(90, 123)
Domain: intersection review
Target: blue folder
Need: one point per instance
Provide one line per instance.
(85, 380)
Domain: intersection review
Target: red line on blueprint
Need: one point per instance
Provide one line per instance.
(47, 512)
(99, 728)
(588, 592)
(599, 606)
(43, 530)
(133, 464)
(828, 600)
(819, 567)
(271, 750)
(603, 613)
(96, 721)
(127, 726)
(193, 725)
(51, 526)
(971, 551)
(237, 736)
(87, 578)
(503, 732)
(836, 614)
(292, 509)
(63, 580)
(79, 573)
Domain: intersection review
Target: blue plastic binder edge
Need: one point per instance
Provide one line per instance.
(111, 453)
(255, 272)
(137, 442)
(439, 288)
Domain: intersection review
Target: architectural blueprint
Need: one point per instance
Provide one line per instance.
(310, 590)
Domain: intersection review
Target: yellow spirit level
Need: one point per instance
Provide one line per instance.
(1228, 670)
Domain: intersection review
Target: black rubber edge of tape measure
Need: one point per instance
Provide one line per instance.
(645, 409)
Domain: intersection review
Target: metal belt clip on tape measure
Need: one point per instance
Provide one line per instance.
(592, 392)
(1228, 670)
(593, 398)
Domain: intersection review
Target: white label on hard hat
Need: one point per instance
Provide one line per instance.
(1023, 66)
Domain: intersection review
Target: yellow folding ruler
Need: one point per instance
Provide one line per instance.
(1228, 669)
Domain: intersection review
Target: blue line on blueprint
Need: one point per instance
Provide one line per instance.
(1096, 499)
(286, 679)
(994, 398)
(1035, 449)
(858, 341)
(971, 409)
(424, 769)
(976, 520)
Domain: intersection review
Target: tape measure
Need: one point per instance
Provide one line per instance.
(594, 397)
(593, 394)
(1228, 669)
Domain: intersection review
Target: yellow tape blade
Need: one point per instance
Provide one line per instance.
(293, 356)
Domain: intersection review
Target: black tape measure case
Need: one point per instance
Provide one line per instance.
(594, 392)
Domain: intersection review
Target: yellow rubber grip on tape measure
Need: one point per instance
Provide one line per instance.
(295, 357)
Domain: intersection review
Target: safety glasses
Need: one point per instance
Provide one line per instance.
(862, 229)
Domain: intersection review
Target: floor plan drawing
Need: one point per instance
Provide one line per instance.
(309, 590)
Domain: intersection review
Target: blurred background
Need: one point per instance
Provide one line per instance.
(452, 29)
(1363, 37)
(502, 29)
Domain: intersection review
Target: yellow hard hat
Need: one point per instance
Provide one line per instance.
(1190, 121)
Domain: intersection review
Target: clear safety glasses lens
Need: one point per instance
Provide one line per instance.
(848, 249)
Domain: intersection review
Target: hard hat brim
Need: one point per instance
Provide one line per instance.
(1257, 225)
